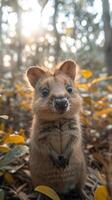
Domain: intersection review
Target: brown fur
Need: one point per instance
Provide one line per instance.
(56, 134)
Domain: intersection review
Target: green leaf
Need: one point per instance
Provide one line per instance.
(2, 194)
(48, 191)
(17, 151)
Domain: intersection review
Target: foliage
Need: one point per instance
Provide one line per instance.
(31, 35)
(101, 193)
(48, 192)
(96, 118)
(15, 103)
(12, 143)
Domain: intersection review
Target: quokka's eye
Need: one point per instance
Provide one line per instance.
(69, 89)
(45, 92)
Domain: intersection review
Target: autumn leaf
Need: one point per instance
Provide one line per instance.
(101, 193)
(8, 178)
(2, 132)
(83, 86)
(99, 79)
(4, 116)
(88, 100)
(103, 112)
(86, 73)
(48, 191)
(16, 139)
(4, 149)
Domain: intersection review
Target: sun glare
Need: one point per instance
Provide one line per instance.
(30, 23)
(33, 19)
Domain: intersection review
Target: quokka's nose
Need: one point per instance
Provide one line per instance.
(61, 104)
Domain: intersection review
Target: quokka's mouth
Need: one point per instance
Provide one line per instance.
(61, 111)
(60, 105)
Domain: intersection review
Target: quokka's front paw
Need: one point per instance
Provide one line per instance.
(75, 194)
(59, 160)
(81, 195)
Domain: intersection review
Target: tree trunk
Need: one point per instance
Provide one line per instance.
(18, 29)
(108, 35)
(56, 34)
(1, 41)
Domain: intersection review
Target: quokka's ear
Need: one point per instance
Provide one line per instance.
(68, 67)
(34, 74)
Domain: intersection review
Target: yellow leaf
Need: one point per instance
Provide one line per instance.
(103, 112)
(48, 191)
(86, 73)
(87, 100)
(4, 149)
(16, 139)
(10, 130)
(97, 80)
(8, 178)
(101, 193)
(2, 132)
(83, 86)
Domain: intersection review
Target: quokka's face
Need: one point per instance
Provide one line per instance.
(55, 95)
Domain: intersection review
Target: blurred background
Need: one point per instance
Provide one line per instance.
(46, 31)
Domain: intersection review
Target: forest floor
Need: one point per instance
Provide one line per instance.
(19, 186)
(15, 179)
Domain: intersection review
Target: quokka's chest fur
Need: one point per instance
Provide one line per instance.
(57, 139)
(56, 155)
(59, 135)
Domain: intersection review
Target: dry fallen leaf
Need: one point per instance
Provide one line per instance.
(101, 193)
(48, 191)
(4, 116)
(16, 139)
(86, 73)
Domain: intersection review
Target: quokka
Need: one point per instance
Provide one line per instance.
(56, 155)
